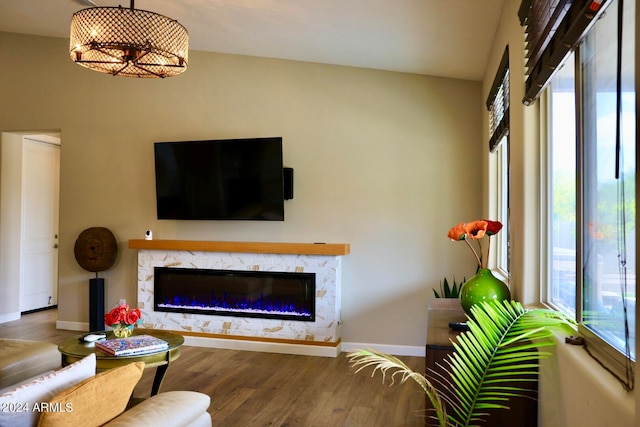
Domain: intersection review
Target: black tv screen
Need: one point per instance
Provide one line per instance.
(230, 179)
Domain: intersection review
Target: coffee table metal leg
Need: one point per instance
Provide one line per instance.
(157, 380)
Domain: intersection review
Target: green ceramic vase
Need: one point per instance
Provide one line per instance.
(484, 286)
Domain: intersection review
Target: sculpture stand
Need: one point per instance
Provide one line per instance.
(96, 304)
(95, 250)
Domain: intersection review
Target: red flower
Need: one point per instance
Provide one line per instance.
(109, 319)
(132, 317)
(122, 315)
(493, 227)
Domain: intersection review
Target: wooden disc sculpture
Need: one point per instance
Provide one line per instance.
(96, 249)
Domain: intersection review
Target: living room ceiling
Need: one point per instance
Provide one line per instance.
(446, 38)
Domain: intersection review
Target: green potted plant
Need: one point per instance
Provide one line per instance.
(446, 291)
(502, 335)
(446, 306)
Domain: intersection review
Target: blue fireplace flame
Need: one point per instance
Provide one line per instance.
(235, 293)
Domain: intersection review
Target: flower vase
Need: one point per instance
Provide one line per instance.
(123, 331)
(484, 286)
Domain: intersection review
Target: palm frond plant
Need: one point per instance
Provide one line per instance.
(503, 347)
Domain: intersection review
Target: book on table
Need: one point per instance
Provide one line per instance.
(137, 344)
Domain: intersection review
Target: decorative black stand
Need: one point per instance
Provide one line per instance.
(95, 250)
(96, 304)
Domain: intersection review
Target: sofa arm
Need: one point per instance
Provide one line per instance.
(172, 408)
(23, 359)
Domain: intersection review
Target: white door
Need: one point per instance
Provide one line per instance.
(40, 190)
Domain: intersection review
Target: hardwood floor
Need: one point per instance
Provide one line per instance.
(268, 389)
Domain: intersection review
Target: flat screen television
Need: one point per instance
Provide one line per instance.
(228, 179)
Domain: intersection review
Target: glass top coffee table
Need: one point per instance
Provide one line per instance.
(75, 348)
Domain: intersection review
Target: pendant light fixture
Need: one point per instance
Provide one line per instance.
(128, 42)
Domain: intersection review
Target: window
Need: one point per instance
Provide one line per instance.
(562, 190)
(591, 215)
(502, 246)
(498, 106)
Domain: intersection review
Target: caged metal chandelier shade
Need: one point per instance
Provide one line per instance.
(128, 42)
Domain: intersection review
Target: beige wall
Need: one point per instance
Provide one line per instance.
(387, 162)
(10, 244)
(574, 390)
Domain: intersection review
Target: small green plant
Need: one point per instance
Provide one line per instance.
(447, 291)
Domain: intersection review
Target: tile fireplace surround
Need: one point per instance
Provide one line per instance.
(321, 337)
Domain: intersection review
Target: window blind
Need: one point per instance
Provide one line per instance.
(553, 28)
(498, 103)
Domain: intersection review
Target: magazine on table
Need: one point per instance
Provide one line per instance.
(138, 344)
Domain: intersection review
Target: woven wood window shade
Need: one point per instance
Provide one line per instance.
(553, 28)
(498, 103)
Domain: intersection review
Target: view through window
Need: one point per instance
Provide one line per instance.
(592, 230)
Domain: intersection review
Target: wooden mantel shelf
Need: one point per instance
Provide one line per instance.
(329, 249)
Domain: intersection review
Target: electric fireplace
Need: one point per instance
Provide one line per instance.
(257, 294)
(317, 333)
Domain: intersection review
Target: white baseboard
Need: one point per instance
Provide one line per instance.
(268, 347)
(396, 350)
(72, 326)
(275, 347)
(301, 349)
(9, 317)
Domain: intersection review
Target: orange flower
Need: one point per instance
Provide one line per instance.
(458, 232)
(476, 229)
(598, 231)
